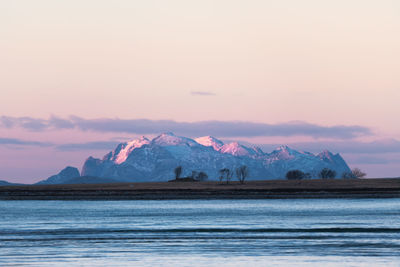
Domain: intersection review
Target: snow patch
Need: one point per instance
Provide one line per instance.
(128, 147)
(210, 141)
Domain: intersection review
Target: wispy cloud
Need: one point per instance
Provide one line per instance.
(202, 93)
(374, 159)
(96, 145)
(29, 123)
(99, 145)
(20, 142)
(217, 128)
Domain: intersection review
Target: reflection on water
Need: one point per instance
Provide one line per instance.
(354, 232)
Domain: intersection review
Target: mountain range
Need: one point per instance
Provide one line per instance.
(155, 160)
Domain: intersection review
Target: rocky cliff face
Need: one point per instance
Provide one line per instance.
(155, 160)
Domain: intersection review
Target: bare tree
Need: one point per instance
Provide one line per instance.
(242, 172)
(327, 174)
(221, 174)
(357, 173)
(225, 173)
(178, 172)
(295, 175)
(229, 175)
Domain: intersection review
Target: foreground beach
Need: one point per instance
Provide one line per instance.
(352, 188)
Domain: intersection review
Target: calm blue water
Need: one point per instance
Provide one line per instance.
(201, 233)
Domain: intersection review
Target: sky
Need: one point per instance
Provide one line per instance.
(78, 77)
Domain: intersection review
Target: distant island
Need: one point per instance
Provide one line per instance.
(145, 160)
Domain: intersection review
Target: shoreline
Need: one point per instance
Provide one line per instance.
(267, 189)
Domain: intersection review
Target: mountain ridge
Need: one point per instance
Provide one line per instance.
(145, 160)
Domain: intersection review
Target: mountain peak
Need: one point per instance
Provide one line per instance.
(210, 141)
(283, 152)
(237, 149)
(65, 174)
(169, 139)
(283, 148)
(123, 150)
(326, 152)
(326, 155)
(69, 170)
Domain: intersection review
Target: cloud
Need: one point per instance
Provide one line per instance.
(20, 142)
(202, 93)
(28, 123)
(216, 128)
(99, 145)
(379, 146)
(60, 123)
(372, 160)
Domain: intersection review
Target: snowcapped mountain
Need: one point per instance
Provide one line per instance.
(210, 141)
(237, 149)
(169, 139)
(154, 160)
(121, 153)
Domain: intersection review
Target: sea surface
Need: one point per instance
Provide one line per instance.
(287, 232)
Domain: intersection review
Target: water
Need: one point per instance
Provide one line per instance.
(312, 232)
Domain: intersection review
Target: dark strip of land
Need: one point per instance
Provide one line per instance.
(269, 189)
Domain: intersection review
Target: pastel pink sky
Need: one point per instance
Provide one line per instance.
(326, 63)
